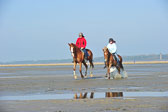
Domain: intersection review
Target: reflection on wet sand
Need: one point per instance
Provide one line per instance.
(107, 95)
(114, 94)
(84, 96)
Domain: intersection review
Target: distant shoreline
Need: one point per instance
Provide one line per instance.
(66, 64)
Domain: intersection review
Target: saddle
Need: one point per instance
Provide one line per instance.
(115, 57)
(85, 53)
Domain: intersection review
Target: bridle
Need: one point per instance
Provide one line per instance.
(107, 54)
(72, 49)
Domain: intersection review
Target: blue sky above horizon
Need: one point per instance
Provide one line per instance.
(40, 29)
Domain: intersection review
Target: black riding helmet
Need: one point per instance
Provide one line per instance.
(111, 39)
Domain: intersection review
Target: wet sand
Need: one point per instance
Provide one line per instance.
(43, 80)
(96, 63)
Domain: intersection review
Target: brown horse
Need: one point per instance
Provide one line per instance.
(110, 61)
(78, 57)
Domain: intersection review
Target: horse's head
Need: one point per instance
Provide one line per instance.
(106, 53)
(72, 48)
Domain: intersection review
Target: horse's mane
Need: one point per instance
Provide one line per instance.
(105, 48)
(75, 46)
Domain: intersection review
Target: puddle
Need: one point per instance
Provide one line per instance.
(163, 76)
(135, 87)
(86, 95)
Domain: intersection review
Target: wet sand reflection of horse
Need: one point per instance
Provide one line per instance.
(92, 95)
(114, 94)
(78, 57)
(84, 96)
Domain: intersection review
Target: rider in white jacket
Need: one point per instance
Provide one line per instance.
(112, 47)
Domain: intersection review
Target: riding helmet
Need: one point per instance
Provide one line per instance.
(81, 33)
(111, 39)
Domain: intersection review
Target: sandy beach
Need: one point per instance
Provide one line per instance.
(31, 81)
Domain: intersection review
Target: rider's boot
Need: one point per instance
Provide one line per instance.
(105, 65)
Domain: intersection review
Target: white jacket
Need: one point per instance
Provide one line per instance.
(112, 48)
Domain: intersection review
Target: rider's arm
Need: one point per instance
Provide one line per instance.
(114, 48)
(77, 42)
(109, 48)
(84, 43)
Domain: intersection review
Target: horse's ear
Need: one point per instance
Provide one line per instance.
(105, 48)
(72, 43)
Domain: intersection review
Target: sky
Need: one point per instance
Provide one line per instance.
(42, 29)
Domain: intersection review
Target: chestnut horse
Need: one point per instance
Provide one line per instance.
(110, 61)
(78, 57)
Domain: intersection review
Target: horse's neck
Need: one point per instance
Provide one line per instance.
(77, 49)
(110, 56)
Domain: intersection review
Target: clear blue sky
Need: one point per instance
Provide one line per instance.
(42, 29)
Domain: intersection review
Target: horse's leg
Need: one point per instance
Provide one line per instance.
(92, 95)
(119, 75)
(90, 58)
(76, 96)
(118, 68)
(108, 71)
(123, 74)
(85, 67)
(121, 66)
(80, 69)
(85, 95)
(91, 68)
(81, 96)
(106, 63)
(75, 76)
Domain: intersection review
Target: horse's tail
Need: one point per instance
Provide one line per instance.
(121, 65)
(91, 64)
(90, 58)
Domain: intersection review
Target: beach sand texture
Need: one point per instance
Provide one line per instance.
(50, 80)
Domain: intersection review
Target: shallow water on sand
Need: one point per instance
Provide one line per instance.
(21, 82)
(86, 95)
(15, 72)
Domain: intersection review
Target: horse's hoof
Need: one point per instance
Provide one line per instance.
(91, 75)
(82, 77)
(75, 77)
(85, 76)
(108, 77)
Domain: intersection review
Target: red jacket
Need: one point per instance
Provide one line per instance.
(81, 42)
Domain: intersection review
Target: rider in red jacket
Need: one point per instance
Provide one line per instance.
(81, 43)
